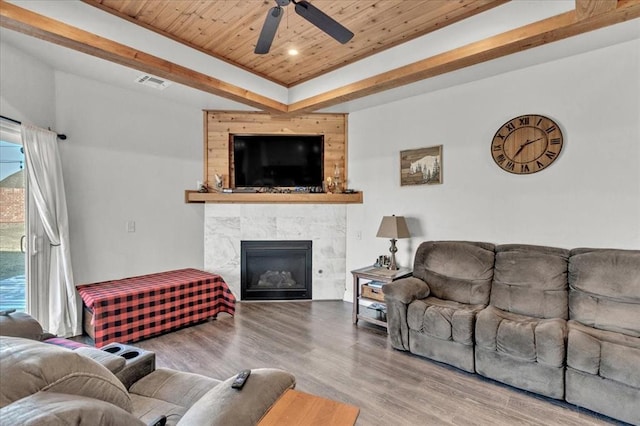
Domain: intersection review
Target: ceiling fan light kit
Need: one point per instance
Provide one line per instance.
(306, 10)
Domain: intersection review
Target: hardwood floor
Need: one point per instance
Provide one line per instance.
(331, 357)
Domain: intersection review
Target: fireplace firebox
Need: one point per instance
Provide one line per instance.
(275, 270)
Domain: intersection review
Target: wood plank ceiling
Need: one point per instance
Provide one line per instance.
(229, 29)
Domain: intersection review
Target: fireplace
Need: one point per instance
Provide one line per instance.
(275, 270)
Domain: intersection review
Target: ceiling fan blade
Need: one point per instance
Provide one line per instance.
(268, 30)
(323, 21)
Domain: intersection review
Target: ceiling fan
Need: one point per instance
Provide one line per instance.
(308, 12)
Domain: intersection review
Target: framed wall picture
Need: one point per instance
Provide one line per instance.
(421, 166)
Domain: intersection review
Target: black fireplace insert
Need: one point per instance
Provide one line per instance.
(275, 270)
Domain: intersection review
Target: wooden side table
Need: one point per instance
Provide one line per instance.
(372, 273)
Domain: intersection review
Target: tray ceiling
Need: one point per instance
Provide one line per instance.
(229, 30)
(154, 35)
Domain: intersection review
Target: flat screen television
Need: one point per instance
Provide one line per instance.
(278, 160)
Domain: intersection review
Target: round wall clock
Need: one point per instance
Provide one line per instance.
(527, 144)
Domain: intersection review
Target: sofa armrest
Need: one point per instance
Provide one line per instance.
(21, 324)
(405, 290)
(114, 363)
(398, 295)
(224, 405)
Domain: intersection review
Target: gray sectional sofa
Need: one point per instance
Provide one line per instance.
(560, 323)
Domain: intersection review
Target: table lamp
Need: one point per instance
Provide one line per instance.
(393, 227)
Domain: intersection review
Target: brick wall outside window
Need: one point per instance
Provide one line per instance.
(11, 205)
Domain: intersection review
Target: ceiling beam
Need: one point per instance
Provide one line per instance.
(542, 32)
(35, 25)
(587, 8)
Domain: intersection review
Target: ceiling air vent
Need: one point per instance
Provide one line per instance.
(151, 81)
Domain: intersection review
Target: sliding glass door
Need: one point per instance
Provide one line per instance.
(13, 233)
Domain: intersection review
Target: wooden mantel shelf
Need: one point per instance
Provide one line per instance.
(268, 198)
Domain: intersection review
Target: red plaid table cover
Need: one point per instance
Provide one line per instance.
(136, 308)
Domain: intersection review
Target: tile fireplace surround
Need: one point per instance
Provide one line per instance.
(225, 225)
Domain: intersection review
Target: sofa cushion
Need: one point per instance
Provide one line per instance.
(443, 319)
(531, 280)
(28, 367)
(177, 387)
(620, 363)
(526, 338)
(147, 409)
(607, 354)
(605, 289)
(58, 409)
(456, 270)
(517, 338)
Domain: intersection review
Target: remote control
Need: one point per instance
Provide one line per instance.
(240, 380)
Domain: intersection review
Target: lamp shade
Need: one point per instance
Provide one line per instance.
(393, 227)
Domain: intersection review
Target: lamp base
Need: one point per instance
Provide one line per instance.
(393, 249)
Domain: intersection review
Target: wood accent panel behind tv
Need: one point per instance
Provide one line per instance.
(219, 125)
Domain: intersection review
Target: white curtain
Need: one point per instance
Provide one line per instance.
(52, 290)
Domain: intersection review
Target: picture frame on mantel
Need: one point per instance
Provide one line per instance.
(422, 166)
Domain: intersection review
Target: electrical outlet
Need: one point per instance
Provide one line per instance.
(131, 226)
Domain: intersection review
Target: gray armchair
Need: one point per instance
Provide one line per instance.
(603, 350)
(432, 314)
(520, 336)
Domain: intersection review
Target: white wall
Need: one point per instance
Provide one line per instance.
(26, 88)
(129, 156)
(589, 197)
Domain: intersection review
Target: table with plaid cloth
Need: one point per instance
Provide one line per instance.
(136, 308)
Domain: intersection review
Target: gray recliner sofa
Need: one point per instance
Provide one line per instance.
(432, 313)
(522, 337)
(603, 350)
(46, 384)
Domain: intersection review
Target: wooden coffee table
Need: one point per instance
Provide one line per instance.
(299, 408)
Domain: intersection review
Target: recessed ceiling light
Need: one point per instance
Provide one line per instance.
(293, 52)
